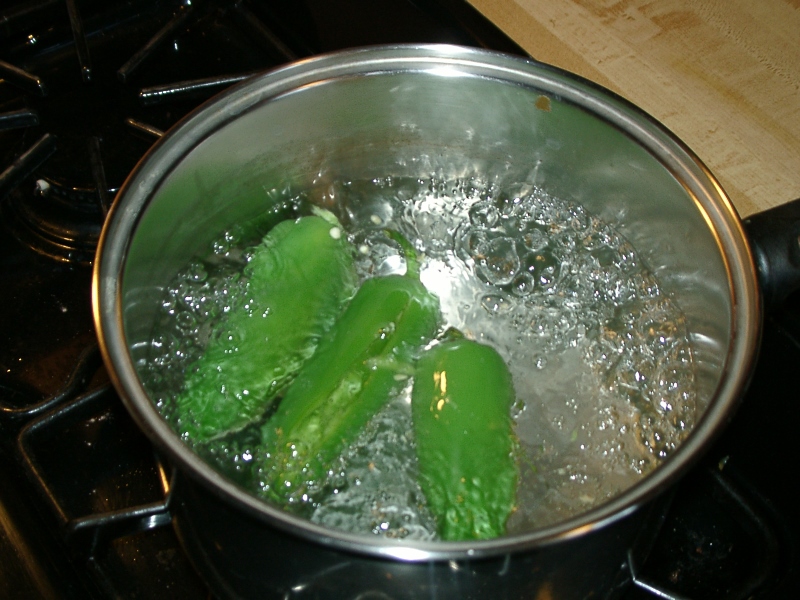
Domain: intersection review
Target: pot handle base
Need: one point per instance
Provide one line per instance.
(775, 239)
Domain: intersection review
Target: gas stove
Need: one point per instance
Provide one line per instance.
(86, 88)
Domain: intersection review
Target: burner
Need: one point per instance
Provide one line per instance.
(55, 220)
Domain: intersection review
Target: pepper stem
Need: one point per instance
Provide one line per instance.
(452, 334)
(412, 259)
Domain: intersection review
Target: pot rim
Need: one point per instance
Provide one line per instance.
(446, 60)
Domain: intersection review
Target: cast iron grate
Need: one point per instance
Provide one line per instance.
(100, 494)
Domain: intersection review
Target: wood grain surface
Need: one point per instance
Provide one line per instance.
(723, 75)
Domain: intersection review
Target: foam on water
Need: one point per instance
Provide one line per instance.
(599, 355)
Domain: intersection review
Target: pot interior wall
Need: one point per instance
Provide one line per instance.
(437, 122)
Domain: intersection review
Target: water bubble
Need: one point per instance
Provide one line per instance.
(496, 303)
(484, 214)
(498, 261)
(547, 277)
(626, 260)
(185, 321)
(470, 244)
(523, 284)
(197, 272)
(535, 239)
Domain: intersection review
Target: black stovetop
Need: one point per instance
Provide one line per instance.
(86, 88)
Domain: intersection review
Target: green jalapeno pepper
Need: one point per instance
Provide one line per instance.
(299, 277)
(365, 359)
(461, 405)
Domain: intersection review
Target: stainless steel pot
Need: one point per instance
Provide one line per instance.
(412, 112)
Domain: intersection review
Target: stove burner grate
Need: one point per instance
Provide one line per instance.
(87, 122)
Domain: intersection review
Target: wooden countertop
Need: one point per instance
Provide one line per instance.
(723, 75)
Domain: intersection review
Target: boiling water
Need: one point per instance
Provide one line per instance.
(599, 355)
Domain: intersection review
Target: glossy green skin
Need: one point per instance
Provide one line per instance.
(298, 280)
(461, 405)
(365, 360)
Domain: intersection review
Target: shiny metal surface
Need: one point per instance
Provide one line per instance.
(417, 111)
